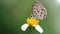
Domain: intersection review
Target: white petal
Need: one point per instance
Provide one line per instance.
(24, 27)
(39, 29)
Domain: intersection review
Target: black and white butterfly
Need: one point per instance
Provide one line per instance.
(38, 11)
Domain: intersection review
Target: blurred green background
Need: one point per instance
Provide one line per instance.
(13, 14)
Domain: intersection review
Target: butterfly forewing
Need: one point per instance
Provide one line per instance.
(38, 11)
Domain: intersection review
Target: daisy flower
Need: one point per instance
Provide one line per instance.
(33, 23)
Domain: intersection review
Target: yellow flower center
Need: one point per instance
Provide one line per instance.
(32, 21)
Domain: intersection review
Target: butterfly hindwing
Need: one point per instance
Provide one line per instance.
(38, 11)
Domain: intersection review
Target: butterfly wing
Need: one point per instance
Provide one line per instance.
(38, 11)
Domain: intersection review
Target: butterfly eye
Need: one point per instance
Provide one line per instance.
(31, 16)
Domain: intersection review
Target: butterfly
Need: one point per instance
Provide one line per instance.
(38, 11)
